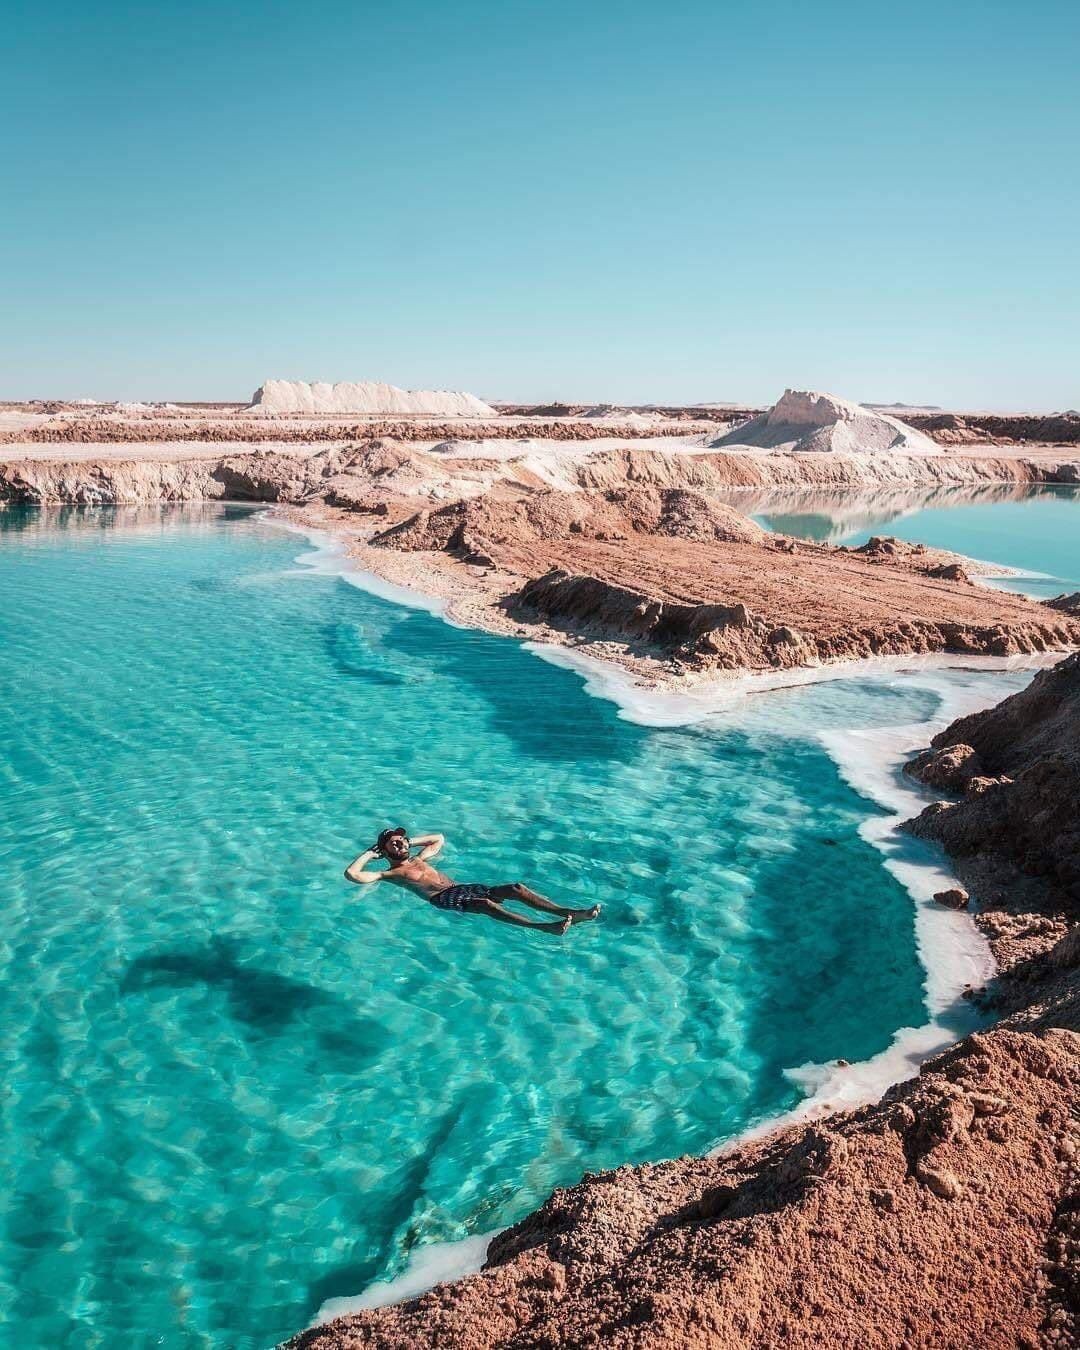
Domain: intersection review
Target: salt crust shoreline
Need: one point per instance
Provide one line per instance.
(953, 953)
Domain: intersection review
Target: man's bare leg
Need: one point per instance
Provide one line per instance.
(516, 891)
(496, 911)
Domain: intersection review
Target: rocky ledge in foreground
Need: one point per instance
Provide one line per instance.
(946, 1215)
(1015, 830)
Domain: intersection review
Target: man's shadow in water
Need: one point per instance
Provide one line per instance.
(264, 1003)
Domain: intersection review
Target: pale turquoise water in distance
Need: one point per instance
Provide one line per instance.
(234, 1085)
(1036, 531)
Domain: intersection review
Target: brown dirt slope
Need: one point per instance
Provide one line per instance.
(617, 514)
(788, 603)
(1016, 428)
(1022, 787)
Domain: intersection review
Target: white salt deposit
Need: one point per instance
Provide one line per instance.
(364, 396)
(806, 420)
(427, 1267)
(20, 421)
(607, 412)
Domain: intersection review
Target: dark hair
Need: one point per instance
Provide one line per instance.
(387, 835)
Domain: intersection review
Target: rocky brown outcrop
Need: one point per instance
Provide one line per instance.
(617, 513)
(735, 636)
(953, 429)
(953, 898)
(1041, 721)
(728, 636)
(925, 1221)
(931, 562)
(1022, 800)
(948, 768)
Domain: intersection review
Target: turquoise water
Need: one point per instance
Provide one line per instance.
(1036, 530)
(235, 1086)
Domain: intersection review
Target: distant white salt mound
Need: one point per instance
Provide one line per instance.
(807, 421)
(364, 396)
(610, 412)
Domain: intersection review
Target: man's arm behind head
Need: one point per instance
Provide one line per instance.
(358, 871)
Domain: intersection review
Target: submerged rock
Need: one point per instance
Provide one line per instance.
(949, 769)
(954, 898)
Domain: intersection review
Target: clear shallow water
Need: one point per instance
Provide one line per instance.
(236, 1086)
(1034, 529)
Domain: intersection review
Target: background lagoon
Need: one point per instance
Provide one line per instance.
(1034, 528)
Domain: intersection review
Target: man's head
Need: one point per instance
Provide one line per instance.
(393, 844)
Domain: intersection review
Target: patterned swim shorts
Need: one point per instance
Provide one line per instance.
(460, 898)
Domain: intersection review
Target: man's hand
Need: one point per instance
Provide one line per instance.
(428, 844)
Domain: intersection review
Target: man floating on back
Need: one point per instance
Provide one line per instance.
(417, 875)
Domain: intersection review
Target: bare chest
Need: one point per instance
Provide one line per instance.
(418, 876)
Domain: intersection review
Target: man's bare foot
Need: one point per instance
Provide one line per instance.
(565, 924)
(584, 915)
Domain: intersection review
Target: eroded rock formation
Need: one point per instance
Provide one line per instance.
(1018, 766)
(617, 513)
(736, 636)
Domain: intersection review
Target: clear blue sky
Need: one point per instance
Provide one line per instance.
(638, 201)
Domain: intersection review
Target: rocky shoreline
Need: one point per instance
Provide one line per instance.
(368, 472)
(947, 1214)
(627, 554)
